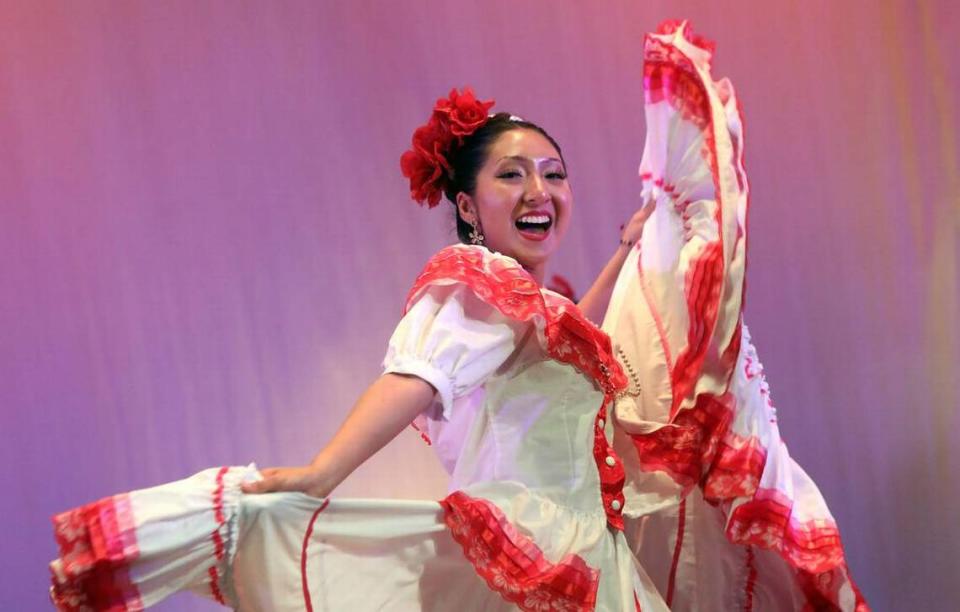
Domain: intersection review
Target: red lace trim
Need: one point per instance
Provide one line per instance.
(570, 338)
(97, 542)
(512, 564)
(217, 538)
(766, 521)
(497, 281)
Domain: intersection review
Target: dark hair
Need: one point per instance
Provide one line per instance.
(466, 160)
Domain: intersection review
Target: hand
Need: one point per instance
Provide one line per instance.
(633, 229)
(309, 479)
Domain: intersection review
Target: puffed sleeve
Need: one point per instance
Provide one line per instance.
(456, 331)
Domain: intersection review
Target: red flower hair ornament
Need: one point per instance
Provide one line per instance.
(425, 164)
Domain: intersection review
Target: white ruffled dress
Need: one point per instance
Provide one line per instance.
(534, 518)
(570, 457)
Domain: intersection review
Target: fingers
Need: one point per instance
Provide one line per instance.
(273, 480)
(267, 485)
(303, 479)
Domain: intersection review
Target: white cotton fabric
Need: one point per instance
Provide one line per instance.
(451, 339)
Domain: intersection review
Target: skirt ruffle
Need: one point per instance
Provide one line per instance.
(129, 551)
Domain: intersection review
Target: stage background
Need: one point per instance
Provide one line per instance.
(205, 239)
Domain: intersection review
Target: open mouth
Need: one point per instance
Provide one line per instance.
(534, 226)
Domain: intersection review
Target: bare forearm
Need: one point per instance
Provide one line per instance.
(595, 300)
(381, 412)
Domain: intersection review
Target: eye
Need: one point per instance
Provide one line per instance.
(509, 174)
(556, 175)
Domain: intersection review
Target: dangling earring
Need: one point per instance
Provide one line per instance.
(475, 236)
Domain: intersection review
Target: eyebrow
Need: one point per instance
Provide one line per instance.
(522, 158)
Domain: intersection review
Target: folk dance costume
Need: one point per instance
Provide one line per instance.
(645, 473)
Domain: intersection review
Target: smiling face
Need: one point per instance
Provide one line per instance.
(522, 199)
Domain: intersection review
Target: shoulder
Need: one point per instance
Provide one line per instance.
(495, 279)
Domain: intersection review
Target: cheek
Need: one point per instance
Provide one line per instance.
(565, 213)
(499, 209)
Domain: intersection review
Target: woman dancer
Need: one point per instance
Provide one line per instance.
(511, 383)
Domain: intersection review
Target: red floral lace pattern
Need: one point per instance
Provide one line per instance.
(512, 564)
(497, 281)
(97, 543)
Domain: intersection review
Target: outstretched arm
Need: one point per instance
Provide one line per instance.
(382, 412)
(595, 300)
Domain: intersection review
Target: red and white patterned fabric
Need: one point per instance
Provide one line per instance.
(706, 448)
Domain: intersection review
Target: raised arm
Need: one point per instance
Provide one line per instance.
(382, 412)
(594, 302)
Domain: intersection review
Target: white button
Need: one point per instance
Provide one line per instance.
(615, 504)
(611, 461)
(600, 423)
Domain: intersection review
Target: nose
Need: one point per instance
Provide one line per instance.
(536, 191)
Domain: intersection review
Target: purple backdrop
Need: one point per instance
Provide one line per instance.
(205, 238)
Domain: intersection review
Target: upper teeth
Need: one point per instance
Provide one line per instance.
(535, 219)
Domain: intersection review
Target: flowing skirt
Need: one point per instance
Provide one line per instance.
(291, 551)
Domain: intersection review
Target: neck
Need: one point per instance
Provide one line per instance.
(537, 272)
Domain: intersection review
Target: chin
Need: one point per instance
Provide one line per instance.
(535, 256)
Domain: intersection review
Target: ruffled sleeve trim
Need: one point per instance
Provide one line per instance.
(188, 544)
(495, 279)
